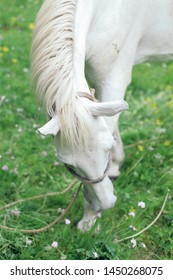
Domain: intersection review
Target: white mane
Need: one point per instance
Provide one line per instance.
(52, 69)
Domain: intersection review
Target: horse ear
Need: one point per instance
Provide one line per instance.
(50, 128)
(108, 108)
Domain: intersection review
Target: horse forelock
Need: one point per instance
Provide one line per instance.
(52, 69)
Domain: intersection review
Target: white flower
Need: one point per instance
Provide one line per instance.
(141, 204)
(28, 242)
(16, 212)
(44, 154)
(133, 242)
(95, 255)
(143, 245)
(61, 210)
(55, 244)
(67, 222)
(5, 168)
(35, 125)
(150, 148)
(48, 248)
(19, 130)
(25, 70)
(133, 228)
(2, 98)
(132, 214)
(158, 156)
(20, 110)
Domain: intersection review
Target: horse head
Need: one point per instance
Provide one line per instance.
(90, 163)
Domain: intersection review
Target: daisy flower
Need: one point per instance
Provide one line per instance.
(133, 242)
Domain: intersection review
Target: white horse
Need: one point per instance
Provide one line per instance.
(97, 42)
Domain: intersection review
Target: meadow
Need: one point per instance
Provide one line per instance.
(29, 166)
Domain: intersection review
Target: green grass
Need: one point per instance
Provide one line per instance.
(146, 176)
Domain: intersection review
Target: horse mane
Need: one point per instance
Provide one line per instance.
(52, 70)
